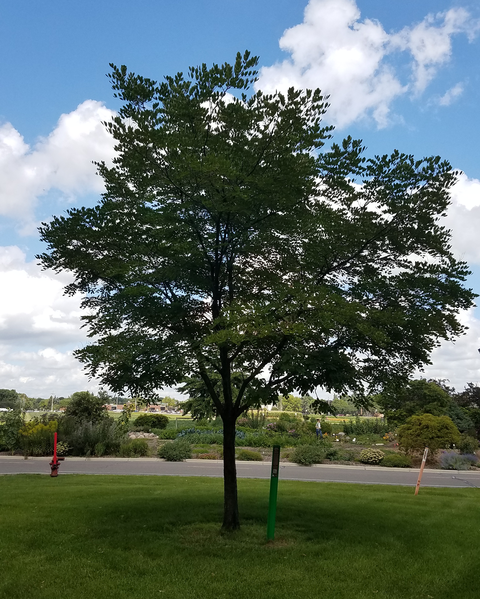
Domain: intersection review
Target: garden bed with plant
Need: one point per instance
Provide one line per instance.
(362, 441)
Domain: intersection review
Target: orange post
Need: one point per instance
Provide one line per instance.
(425, 453)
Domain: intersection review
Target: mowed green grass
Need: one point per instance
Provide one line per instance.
(102, 537)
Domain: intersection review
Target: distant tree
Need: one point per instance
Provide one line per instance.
(169, 401)
(9, 398)
(343, 405)
(306, 402)
(461, 418)
(87, 407)
(469, 402)
(416, 397)
(469, 397)
(291, 403)
(229, 244)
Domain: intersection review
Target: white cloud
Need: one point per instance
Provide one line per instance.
(347, 58)
(43, 373)
(39, 328)
(61, 161)
(458, 362)
(463, 218)
(430, 42)
(451, 95)
(36, 317)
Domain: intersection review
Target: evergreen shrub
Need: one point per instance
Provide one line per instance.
(145, 422)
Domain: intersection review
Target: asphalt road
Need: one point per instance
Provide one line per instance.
(372, 475)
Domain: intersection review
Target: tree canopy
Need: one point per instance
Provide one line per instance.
(9, 399)
(231, 247)
(86, 407)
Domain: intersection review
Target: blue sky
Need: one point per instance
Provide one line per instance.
(401, 75)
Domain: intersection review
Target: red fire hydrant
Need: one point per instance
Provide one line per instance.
(55, 463)
(54, 466)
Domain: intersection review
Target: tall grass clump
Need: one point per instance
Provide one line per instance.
(92, 438)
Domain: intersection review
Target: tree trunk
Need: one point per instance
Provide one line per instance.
(231, 519)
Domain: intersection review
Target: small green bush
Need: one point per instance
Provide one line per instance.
(166, 433)
(207, 456)
(145, 422)
(371, 456)
(134, 448)
(348, 455)
(306, 455)
(332, 453)
(467, 444)
(397, 460)
(248, 455)
(176, 451)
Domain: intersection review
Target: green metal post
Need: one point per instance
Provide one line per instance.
(272, 503)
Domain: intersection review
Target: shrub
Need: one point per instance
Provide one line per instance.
(348, 455)
(145, 422)
(326, 427)
(38, 438)
(254, 419)
(287, 422)
(451, 460)
(365, 426)
(397, 460)
(86, 438)
(467, 444)
(207, 456)
(371, 456)
(332, 453)
(166, 433)
(250, 456)
(434, 432)
(134, 448)
(176, 451)
(10, 424)
(306, 455)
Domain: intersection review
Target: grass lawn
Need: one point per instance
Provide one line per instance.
(102, 537)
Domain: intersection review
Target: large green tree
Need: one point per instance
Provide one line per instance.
(9, 399)
(414, 398)
(229, 246)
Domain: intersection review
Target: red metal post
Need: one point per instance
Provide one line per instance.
(54, 463)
